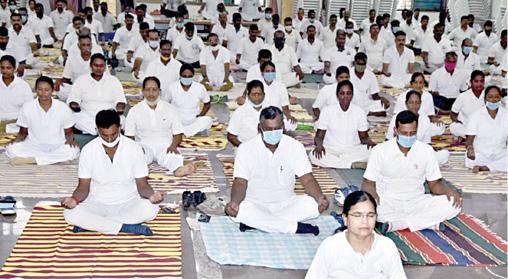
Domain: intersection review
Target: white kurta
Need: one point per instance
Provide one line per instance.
(426, 107)
(285, 60)
(364, 88)
(448, 85)
(188, 50)
(214, 64)
(465, 106)
(337, 58)
(167, 74)
(244, 122)
(13, 97)
(123, 38)
(398, 67)
(249, 52)
(310, 55)
(374, 51)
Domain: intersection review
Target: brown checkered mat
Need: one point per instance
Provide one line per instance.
(327, 183)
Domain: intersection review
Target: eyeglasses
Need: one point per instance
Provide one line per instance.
(359, 215)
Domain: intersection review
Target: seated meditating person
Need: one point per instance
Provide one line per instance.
(434, 49)
(495, 54)
(284, 57)
(328, 94)
(417, 84)
(46, 134)
(466, 104)
(398, 63)
(395, 175)
(160, 136)
(486, 135)
(166, 68)
(113, 194)
(342, 132)
(14, 93)
(186, 95)
(466, 58)
(254, 72)
(426, 130)
(356, 251)
(374, 46)
(248, 48)
(94, 92)
(263, 192)
(214, 63)
(341, 55)
(145, 54)
(188, 46)
(310, 52)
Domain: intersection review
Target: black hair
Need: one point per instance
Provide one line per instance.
(373, 25)
(351, 200)
(425, 17)
(266, 64)
(491, 87)
(342, 84)
(405, 117)
(264, 53)
(413, 92)
(186, 66)
(4, 32)
(288, 19)
(212, 35)
(333, 16)
(189, 26)
(144, 25)
(361, 56)
(400, 33)
(76, 18)
(503, 33)
(311, 12)
(269, 113)
(15, 15)
(45, 79)
(154, 31)
(97, 56)
(253, 84)
(386, 15)
(488, 23)
(107, 118)
(340, 70)
(152, 78)
(10, 59)
(451, 54)
(253, 27)
(415, 75)
(464, 17)
(395, 23)
(165, 42)
(311, 26)
(237, 16)
(129, 16)
(476, 73)
(439, 25)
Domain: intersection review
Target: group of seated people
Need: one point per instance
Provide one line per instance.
(113, 194)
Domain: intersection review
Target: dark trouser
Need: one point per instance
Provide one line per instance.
(443, 103)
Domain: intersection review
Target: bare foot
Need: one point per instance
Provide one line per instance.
(187, 169)
(476, 169)
(293, 100)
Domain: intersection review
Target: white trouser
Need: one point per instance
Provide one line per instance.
(341, 160)
(217, 79)
(422, 212)
(396, 81)
(329, 79)
(158, 153)
(43, 154)
(128, 64)
(496, 162)
(108, 219)
(63, 93)
(244, 65)
(495, 70)
(290, 126)
(277, 217)
(47, 41)
(436, 130)
(369, 105)
(290, 79)
(308, 68)
(121, 53)
(85, 122)
(432, 67)
(442, 156)
(12, 128)
(458, 129)
(199, 124)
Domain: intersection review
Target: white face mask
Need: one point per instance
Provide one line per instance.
(154, 102)
(215, 48)
(288, 28)
(110, 144)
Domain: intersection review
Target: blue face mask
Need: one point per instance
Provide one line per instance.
(272, 137)
(180, 24)
(406, 141)
(186, 80)
(395, 29)
(467, 50)
(270, 76)
(492, 106)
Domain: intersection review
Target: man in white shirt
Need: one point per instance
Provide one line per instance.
(262, 196)
(42, 27)
(145, 54)
(328, 94)
(434, 49)
(61, 18)
(113, 194)
(46, 134)
(177, 29)
(266, 21)
(155, 124)
(421, 32)
(231, 36)
(93, 93)
(187, 48)
(338, 56)
(268, 32)
(250, 9)
(310, 52)
(495, 55)
(285, 60)
(123, 37)
(408, 27)
(352, 39)
(165, 69)
(5, 14)
(292, 35)
(14, 91)
(138, 40)
(447, 82)
(254, 73)
(214, 63)
(398, 63)
(141, 16)
(209, 9)
(395, 175)
(73, 49)
(107, 20)
(345, 19)
(311, 20)
(485, 40)
(248, 49)
(466, 58)
(95, 26)
(374, 47)
(298, 19)
(367, 23)
(7, 48)
(461, 32)
(329, 32)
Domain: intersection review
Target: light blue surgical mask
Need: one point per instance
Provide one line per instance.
(493, 106)
(179, 24)
(272, 137)
(467, 50)
(186, 80)
(395, 29)
(268, 16)
(270, 76)
(406, 141)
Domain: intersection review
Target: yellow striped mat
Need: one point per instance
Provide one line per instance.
(297, 111)
(5, 138)
(463, 178)
(216, 140)
(48, 248)
(325, 181)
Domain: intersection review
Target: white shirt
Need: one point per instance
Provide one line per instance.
(306, 22)
(45, 127)
(293, 38)
(214, 65)
(234, 38)
(226, 33)
(328, 37)
(426, 107)
(422, 133)
(188, 50)
(249, 50)
(94, 96)
(11, 50)
(363, 88)
(173, 34)
(61, 21)
(108, 22)
(244, 122)
(210, 9)
(113, 182)
(254, 73)
(310, 54)
(136, 42)
(250, 9)
(153, 126)
(341, 23)
(408, 29)
(353, 41)
(149, 20)
(269, 32)
(40, 26)
(22, 40)
(421, 35)
(497, 52)
(276, 94)
(271, 176)
(5, 16)
(400, 177)
(335, 258)
(187, 102)
(490, 134)
(284, 59)
(436, 50)
(327, 96)
(469, 63)
(123, 37)
(466, 104)
(95, 27)
(398, 63)
(374, 51)
(339, 58)
(75, 51)
(448, 85)
(167, 74)
(75, 67)
(147, 54)
(484, 42)
(342, 127)
(365, 26)
(458, 35)
(13, 97)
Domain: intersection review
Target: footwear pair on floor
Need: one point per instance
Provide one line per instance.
(192, 198)
(7, 205)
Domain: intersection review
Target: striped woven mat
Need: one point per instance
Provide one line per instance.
(297, 111)
(466, 241)
(306, 138)
(5, 139)
(48, 248)
(215, 141)
(325, 181)
(463, 178)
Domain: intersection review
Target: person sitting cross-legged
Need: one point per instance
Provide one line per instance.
(113, 194)
(263, 192)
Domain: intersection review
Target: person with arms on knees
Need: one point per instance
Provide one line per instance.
(145, 54)
(466, 58)
(356, 251)
(342, 137)
(113, 194)
(496, 52)
(94, 92)
(186, 95)
(46, 130)
(418, 84)
(284, 57)
(395, 175)
(398, 63)
(263, 192)
(434, 49)
(155, 124)
(188, 47)
(328, 94)
(447, 82)
(336, 57)
(374, 46)
(248, 49)
(426, 130)
(486, 135)
(310, 52)
(214, 63)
